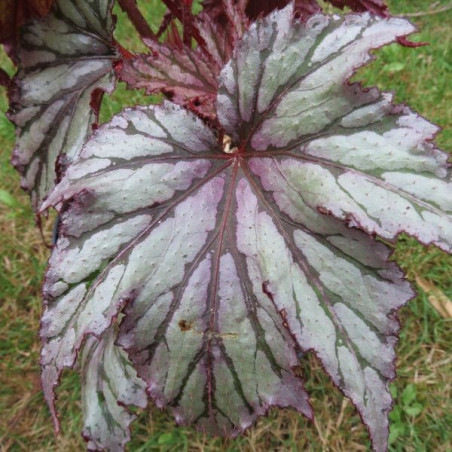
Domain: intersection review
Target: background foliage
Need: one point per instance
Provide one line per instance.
(422, 415)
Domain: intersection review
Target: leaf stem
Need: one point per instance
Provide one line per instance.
(182, 11)
(136, 17)
(4, 78)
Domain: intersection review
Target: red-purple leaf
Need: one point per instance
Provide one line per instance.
(182, 10)
(188, 76)
(257, 8)
(305, 8)
(261, 8)
(181, 73)
(221, 36)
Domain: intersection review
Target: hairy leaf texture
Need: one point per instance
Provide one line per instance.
(65, 59)
(109, 384)
(229, 258)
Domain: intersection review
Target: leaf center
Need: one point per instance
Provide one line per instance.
(228, 146)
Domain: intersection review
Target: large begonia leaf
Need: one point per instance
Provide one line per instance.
(109, 384)
(64, 58)
(227, 261)
(160, 234)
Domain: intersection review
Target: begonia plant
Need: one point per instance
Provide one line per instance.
(205, 244)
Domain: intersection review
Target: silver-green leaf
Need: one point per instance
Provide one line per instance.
(373, 162)
(109, 385)
(65, 59)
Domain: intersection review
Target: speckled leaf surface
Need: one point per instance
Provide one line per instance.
(109, 385)
(162, 240)
(63, 58)
(228, 258)
(351, 151)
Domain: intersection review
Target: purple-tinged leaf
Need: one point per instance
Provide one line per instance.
(163, 237)
(109, 385)
(63, 58)
(222, 35)
(261, 8)
(304, 8)
(182, 10)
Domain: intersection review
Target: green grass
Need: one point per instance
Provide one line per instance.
(421, 417)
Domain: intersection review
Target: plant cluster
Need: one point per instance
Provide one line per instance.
(207, 243)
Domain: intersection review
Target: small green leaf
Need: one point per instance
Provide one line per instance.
(395, 415)
(395, 432)
(393, 391)
(394, 67)
(409, 394)
(8, 199)
(414, 410)
(167, 438)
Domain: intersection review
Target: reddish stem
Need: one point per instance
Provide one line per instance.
(4, 78)
(181, 11)
(402, 40)
(139, 22)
